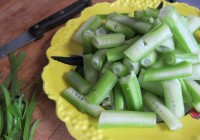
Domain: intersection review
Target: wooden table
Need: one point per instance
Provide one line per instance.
(15, 18)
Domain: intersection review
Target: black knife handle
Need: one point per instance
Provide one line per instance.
(58, 18)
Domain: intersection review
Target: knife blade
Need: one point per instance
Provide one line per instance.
(37, 31)
(160, 6)
(74, 60)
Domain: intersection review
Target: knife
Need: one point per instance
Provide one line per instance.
(74, 60)
(37, 31)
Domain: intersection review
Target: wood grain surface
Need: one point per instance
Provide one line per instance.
(15, 18)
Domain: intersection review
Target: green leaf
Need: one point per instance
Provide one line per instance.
(29, 112)
(17, 113)
(11, 110)
(6, 84)
(16, 88)
(25, 109)
(15, 110)
(27, 91)
(7, 81)
(18, 123)
(34, 126)
(16, 61)
(21, 104)
(8, 103)
(15, 64)
(7, 138)
(16, 134)
(1, 120)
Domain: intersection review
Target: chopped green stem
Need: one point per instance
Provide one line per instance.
(147, 109)
(119, 28)
(119, 103)
(132, 40)
(152, 12)
(9, 116)
(194, 89)
(108, 40)
(176, 57)
(131, 65)
(104, 68)
(167, 73)
(166, 46)
(141, 15)
(185, 19)
(157, 22)
(149, 60)
(149, 42)
(106, 16)
(76, 81)
(188, 107)
(187, 98)
(114, 54)
(93, 23)
(107, 103)
(79, 101)
(87, 37)
(197, 106)
(119, 69)
(173, 97)
(98, 59)
(159, 63)
(101, 30)
(163, 112)
(90, 73)
(195, 73)
(112, 118)
(74, 97)
(93, 110)
(193, 23)
(102, 88)
(181, 32)
(139, 26)
(153, 87)
(112, 15)
(132, 92)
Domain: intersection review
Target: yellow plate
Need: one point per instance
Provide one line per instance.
(81, 126)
